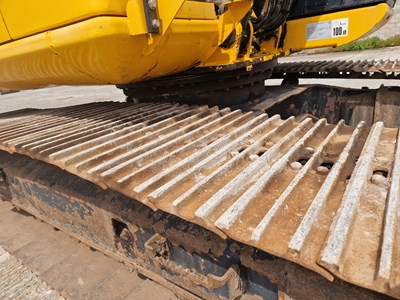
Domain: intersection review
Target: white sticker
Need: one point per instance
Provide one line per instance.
(340, 27)
(328, 29)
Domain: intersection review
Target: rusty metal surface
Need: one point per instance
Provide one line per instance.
(324, 196)
(369, 69)
(40, 263)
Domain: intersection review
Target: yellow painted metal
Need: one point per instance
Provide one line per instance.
(101, 51)
(31, 62)
(27, 17)
(115, 49)
(226, 56)
(4, 36)
(166, 12)
(272, 45)
(197, 10)
(361, 22)
(237, 10)
(192, 10)
(136, 17)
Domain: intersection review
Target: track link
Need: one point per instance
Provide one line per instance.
(321, 195)
(359, 69)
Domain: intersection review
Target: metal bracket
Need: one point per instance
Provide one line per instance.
(152, 21)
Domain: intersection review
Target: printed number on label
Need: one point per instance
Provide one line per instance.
(340, 27)
(339, 31)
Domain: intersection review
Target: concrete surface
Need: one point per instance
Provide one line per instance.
(18, 282)
(392, 27)
(60, 96)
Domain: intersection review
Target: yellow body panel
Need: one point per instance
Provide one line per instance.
(101, 51)
(25, 18)
(4, 36)
(361, 22)
(137, 19)
(196, 10)
(118, 50)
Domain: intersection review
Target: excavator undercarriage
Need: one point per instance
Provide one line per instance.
(293, 194)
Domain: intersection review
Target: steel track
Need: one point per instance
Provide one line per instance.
(359, 69)
(323, 196)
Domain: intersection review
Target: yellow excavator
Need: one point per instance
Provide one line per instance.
(204, 180)
(191, 42)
